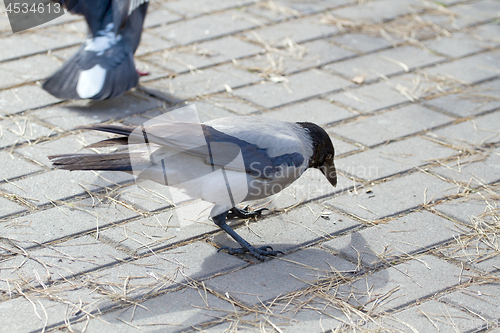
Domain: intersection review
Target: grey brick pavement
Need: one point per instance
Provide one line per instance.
(407, 242)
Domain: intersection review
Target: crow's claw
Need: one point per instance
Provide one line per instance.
(244, 213)
(260, 253)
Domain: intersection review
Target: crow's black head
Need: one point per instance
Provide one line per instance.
(323, 151)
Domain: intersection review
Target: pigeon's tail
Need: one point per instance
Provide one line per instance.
(92, 75)
(110, 162)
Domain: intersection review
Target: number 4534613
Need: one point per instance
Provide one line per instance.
(20, 7)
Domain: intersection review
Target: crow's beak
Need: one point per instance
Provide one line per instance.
(328, 169)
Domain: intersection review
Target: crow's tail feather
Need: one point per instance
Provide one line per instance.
(110, 162)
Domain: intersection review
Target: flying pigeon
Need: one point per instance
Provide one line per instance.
(103, 67)
(224, 161)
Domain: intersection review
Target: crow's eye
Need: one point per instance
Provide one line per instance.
(329, 156)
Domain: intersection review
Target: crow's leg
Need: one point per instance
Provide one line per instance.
(260, 253)
(244, 213)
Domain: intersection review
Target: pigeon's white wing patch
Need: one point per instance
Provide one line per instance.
(90, 82)
(104, 40)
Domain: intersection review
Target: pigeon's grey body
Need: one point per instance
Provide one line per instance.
(103, 67)
(224, 161)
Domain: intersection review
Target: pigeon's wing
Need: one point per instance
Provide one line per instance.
(94, 12)
(122, 9)
(94, 75)
(128, 19)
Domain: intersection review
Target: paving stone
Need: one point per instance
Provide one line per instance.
(386, 242)
(370, 98)
(387, 62)
(64, 145)
(152, 274)
(206, 27)
(217, 31)
(5, 24)
(208, 81)
(378, 11)
(264, 282)
(317, 111)
(362, 42)
(299, 58)
(390, 125)
(179, 310)
(417, 85)
(36, 312)
(293, 229)
(12, 166)
(159, 231)
(84, 112)
(409, 28)
(470, 70)
(467, 14)
(478, 131)
(208, 111)
(58, 261)
(298, 30)
(433, 316)
(205, 112)
(23, 98)
(184, 59)
(150, 43)
(62, 20)
(397, 157)
(342, 147)
(398, 195)
(488, 32)
(65, 53)
(26, 70)
(477, 99)
(459, 45)
(233, 104)
(73, 295)
(479, 252)
(158, 15)
(471, 209)
(482, 300)
(298, 86)
(312, 313)
(271, 11)
(8, 207)
(20, 128)
(400, 285)
(476, 172)
(155, 72)
(61, 184)
(147, 195)
(312, 6)
(19, 45)
(59, 222)
(312, 185)
(192, 8)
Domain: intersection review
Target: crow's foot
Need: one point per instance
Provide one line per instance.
(244, 213)
(260, 253)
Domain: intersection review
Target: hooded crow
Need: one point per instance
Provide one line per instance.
(224, 161)
(103, 67)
